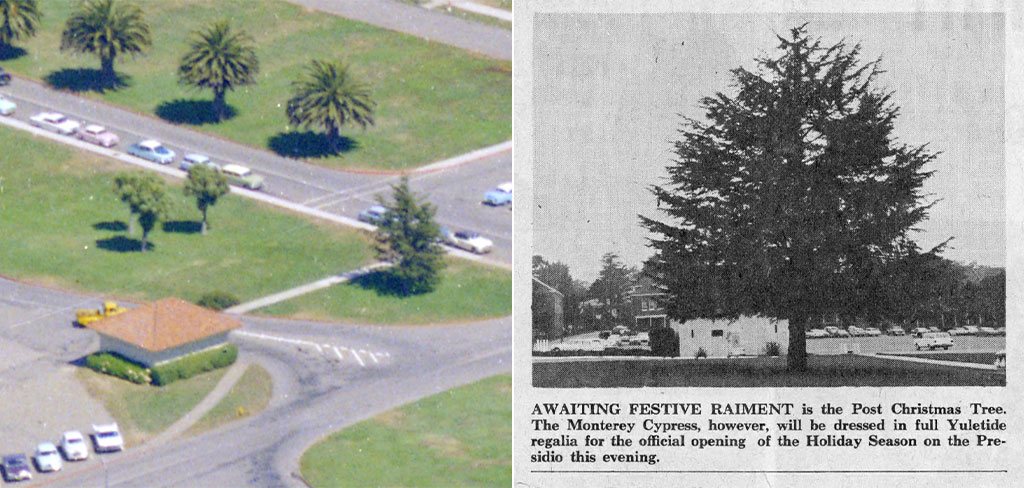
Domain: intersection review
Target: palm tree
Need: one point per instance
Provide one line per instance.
(328, 97)
(20, 19)
(106, 28)
(220, 60)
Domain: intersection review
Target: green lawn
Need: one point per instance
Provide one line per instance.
(467, 292)
(142, 411)
(433, 101)
(61, 225)
(248, 397)
(822, 371)
(458, 438)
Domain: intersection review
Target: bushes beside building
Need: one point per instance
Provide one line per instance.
(193, 364)
(164, 373)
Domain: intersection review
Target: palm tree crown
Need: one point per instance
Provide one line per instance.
(20, 19)
(329, 97)
(106, 28)
(219, 59)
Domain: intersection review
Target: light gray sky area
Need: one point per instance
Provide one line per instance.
(608, 90)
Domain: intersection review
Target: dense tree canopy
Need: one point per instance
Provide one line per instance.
(408, 238)
(207, 185)
(794, 197)
(18, 20)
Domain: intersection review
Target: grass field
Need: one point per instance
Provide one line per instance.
(466, 292)
(823, 371)
(142, 411)
(61, 225)
(461, 437)
(433, 101)
(248, 397)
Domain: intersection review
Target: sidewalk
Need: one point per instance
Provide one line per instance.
(216, 395)
(304, 289)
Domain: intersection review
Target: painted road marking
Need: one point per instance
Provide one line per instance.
(336, 351)
(354, 353)
(373, 357)
(320, 347)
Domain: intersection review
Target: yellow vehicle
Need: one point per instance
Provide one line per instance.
(87, 316)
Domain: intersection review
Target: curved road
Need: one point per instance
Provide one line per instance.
(320, 386)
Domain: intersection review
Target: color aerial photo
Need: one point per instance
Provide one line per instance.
(255, 243)
(768, 200)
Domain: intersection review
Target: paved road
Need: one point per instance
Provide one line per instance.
(457, 192)
(338, 375)
(489, 40)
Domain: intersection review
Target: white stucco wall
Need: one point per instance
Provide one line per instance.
(745, 335)
(149, 358)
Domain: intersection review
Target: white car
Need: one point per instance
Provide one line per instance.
(107, 438)
(856, 331)
(47, 457)
(816, 333)
(468, 240)
(97, 134)
(872, 332)
(73, 445)
(56, 122)
(933, 340)
(955, 331)
(7, 107)
(152, 150)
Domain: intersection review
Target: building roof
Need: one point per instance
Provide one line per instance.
(166, 323)
(645, 285)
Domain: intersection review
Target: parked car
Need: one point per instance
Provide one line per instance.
(192, 159)
(152, 150)
(872, 332)
(895, 331)
(816, 333)
(1001, 331)
(595, 345)
(918, 331)
(856, 331)
(241, 176)
(97, 134)
(5, 77)
(971, 330)
(16, 468)
(987, 331)
(955, 331)
(934, 329)
(832, 331)
(107, 438)
(1000, 362)
(843, 333)
(373, 215)
(7, 107)
(72, 443)
(933, 340)
(468, 240)
(55, 122)
(47, 457)
(502, 195)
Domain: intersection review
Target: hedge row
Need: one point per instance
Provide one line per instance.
(118, 366)
(194, 364)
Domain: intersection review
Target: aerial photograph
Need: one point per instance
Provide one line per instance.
(255, 243)
(769, 200)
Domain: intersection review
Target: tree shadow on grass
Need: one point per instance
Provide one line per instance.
(113, 226)
(8, 53)
(383, 283)
(191, 112)
(183, 226)
(308, 144)
(86, 79)
(122, 244)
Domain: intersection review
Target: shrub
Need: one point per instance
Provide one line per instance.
(115, 365)
(193, 364)
(664, 342)
(701, 353)
(218, 300)
(772, 349)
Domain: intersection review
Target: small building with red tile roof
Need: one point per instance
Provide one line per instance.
(163, 331)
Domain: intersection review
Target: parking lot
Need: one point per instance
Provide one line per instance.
(890, 344)
(40, 397)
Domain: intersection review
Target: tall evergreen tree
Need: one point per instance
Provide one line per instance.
(408, 238)
(792, 196)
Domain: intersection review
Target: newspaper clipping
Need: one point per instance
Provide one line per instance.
(769, 244)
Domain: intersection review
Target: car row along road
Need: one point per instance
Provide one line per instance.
(457, 189)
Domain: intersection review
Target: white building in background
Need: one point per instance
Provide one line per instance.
(744, 336)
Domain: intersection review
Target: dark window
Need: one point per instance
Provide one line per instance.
(717, 333)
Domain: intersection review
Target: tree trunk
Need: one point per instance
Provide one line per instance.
(107, 68)
(219, 105)
(333, 138)
(143, 249)
(131, 222)
(796, 358)
(202, 229)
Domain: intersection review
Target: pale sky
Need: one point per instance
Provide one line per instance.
(609, 88)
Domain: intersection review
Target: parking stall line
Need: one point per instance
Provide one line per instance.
(336, 351)
(356, 354)
(374, 358)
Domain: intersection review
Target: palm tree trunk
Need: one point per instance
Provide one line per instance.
(219, 106)
(107, 68)
(333, 138)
